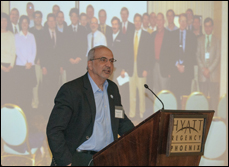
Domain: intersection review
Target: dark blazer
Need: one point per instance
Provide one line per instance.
(118, 48)
(130, 29)
(52, 58)
(75, 46)
(189, 57)
(165, 56)
(144, 57)
(72, 119)
(108, 34)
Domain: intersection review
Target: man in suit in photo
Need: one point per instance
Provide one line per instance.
(145, 22)
(160, 43)
(76, 47)
(183, 51)
(119, 51)
(90, 11)
(208, 59)
(14, 17)
(189, 13)
(153, 22)
(126, 27)
(139, 65)
(105, 29)
(61, 25)
(83, 120)
(83, 22)
(55, 10)
(51, 61)
(170, 14)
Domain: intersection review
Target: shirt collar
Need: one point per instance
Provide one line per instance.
(95, 32)
(50, 31)
(95, 88)
(75, 26)
(22, 34)
(210, 36)
(116, 32)
(139, 31)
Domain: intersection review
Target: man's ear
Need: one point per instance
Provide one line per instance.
(89, 64)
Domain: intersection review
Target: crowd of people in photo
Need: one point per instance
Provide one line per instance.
(146, 50)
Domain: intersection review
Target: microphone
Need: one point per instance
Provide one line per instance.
(147, 87)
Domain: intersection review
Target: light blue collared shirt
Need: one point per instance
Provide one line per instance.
(60, 29)
(102, 133)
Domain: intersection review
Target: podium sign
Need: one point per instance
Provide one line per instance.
(185, 135)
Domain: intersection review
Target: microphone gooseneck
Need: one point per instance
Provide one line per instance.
(147, 87)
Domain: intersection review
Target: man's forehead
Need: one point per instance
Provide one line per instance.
(103, 52)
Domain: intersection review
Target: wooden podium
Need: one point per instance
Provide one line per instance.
(167, 138)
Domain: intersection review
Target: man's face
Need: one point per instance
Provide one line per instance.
(90, 13)
(60, 18)
(145, 21)
(183, 22)
(137, 23)
(124, 15)
(115, 26)
(170, 17)
(55, 10)
(102, 70)
(37, 19)
(208, 28)
(196, 24)
(3, 23)
(153, 19)
(30, 10)
(14, 16)
(83, 20)
(74, 18)
(102, 17)
(94, 24)
(51, 22)
(24, 25)
(160, 21)
(189, 15)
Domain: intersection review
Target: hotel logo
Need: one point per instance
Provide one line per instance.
(185, 135)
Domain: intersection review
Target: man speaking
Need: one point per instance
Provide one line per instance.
(88, 114)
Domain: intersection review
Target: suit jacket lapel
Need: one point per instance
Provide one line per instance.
(112, 108)
(90, 96)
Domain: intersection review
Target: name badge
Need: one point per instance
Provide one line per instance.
(119, 113)
(207, 55)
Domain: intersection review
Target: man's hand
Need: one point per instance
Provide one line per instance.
(28, 66)
(44, 71)
(61, 70)
(5, 69)
(70, 164)
(72, 61)
(206, 72)
(77, 60)
(144, 74)
(123, 73)
(180, 68)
